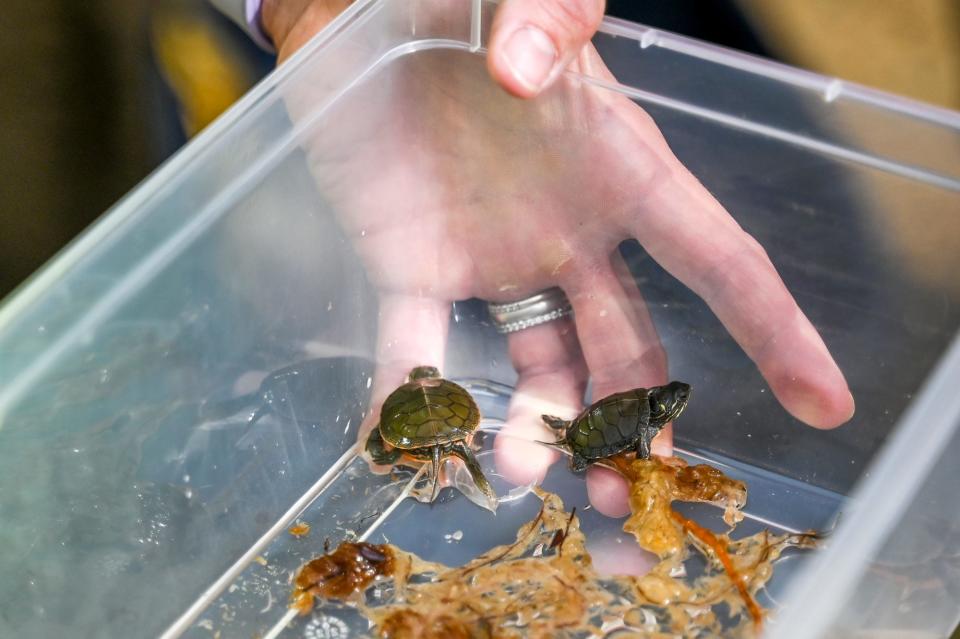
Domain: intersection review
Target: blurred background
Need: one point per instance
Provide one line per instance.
(94, 95)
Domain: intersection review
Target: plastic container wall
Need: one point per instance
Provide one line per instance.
(891, 569)
(131, 479)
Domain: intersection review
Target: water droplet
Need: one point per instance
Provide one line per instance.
(189, 493)
(369, 382)
(363, 232)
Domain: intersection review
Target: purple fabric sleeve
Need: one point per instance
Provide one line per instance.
(246, 13)
(254, 26)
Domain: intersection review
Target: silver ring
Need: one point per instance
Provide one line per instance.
(545, 306)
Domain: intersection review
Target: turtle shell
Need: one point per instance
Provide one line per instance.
(610, 425)
(428, 412)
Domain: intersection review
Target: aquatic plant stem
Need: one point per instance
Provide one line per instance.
(707, 536)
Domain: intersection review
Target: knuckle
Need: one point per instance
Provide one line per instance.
(654, 360)
(577, 18)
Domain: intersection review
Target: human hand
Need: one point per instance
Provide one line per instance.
(531, 41)
(451, 189)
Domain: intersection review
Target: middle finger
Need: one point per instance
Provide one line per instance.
(552, 379)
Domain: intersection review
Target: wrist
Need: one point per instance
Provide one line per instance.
(277, 18)
(267, 13)
(246, 14)
(254, 19)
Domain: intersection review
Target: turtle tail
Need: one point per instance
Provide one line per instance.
(560, 443)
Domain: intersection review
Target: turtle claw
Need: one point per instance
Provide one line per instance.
(435, 461)
(476, 474)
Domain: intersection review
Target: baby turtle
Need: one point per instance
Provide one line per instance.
(429, 418)
(622, 421)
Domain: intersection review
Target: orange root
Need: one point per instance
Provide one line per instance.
(707, 537)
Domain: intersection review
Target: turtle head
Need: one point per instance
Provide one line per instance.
(667, 402)
(424, 372)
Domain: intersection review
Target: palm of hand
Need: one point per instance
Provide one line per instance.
(480, 194)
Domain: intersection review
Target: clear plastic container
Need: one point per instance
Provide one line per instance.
(136, 498)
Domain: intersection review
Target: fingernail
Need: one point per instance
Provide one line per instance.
(853, 407)
(530, 54)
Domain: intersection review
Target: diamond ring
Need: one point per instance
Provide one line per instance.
(545, 306)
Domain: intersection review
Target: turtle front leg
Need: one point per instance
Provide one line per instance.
(578, 463)
(377, 449)
(462, 451)
(643, 444)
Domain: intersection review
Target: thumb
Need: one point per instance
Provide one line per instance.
(532, 41)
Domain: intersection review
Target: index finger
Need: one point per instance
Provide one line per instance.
(691, 235)
(412, 331)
